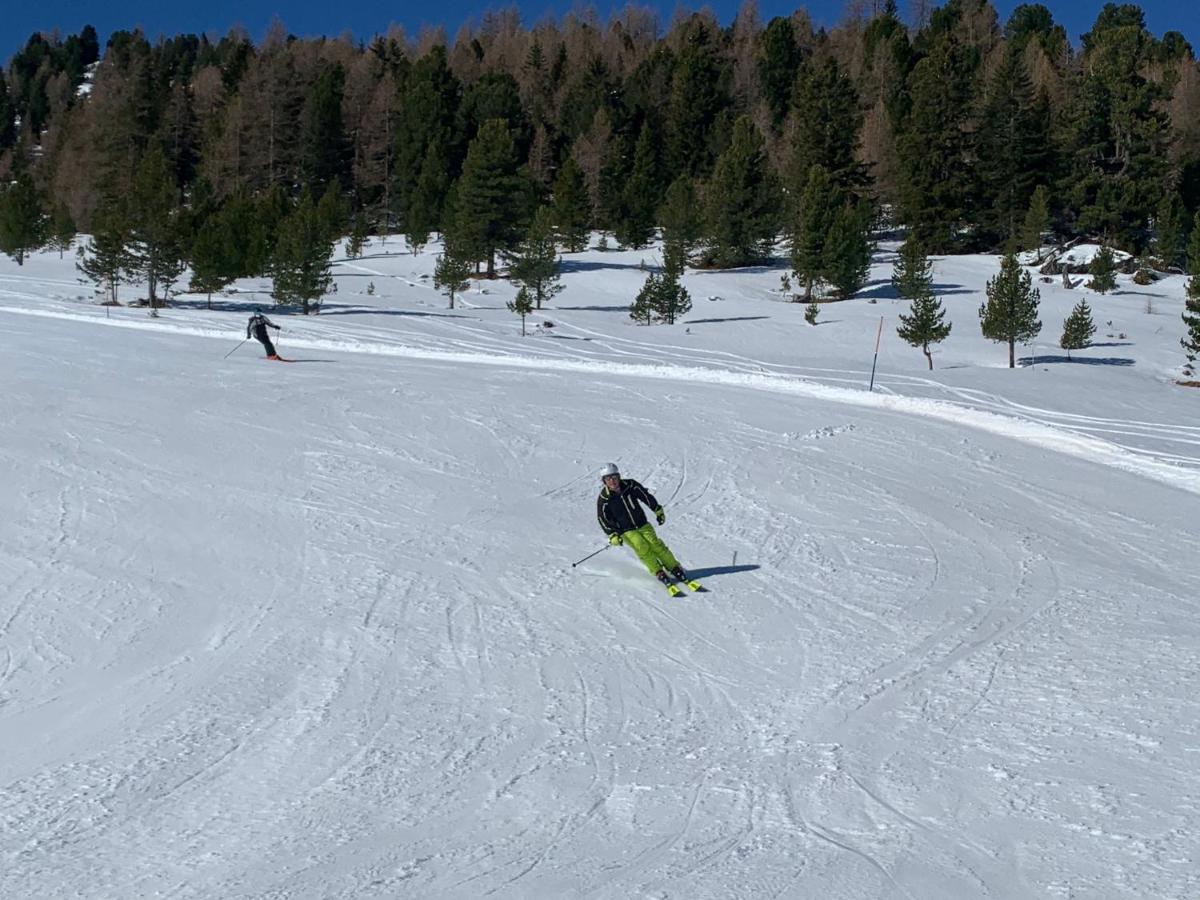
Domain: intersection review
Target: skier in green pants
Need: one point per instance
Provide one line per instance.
(619, 511)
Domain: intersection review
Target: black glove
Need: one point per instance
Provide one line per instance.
(660, 515)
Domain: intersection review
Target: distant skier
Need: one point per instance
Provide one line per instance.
(619, 511)
(257, 328)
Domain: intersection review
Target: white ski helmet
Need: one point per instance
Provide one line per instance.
(609, 469)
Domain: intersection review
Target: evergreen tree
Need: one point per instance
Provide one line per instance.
(62, 230)
(827, 123)
(812, 223)
(1078, 328)
(572, 209)
(1037, 221)
(1011, 149)
(932, 149)
(522, 305)
(811, 312)
(1103, 269)
(105, 257)
(671, 299)
(1191, 315)
(300, 264)
(451, 271)
(912, 276)
(925, 324)
(491, 197)
(698, 96)
(778, 58)
(847, 257)
(427, 117)
(22, 222)
(681, 225)
(742, 212)
(157, 227)
(634, 226)
(1170, 230)
(534, 264)
(1010, 313)
(247, 229)
(642, 308)
(333, 212)
(358, 237)
(428, 201)
(213, 258)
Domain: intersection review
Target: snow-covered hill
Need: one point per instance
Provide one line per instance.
(312, 630)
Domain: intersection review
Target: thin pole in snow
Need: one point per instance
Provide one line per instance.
(878, 335)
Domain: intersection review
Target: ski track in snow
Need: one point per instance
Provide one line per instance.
(305, 640)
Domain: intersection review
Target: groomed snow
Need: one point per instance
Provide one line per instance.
(312, 630)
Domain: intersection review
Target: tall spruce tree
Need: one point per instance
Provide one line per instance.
(1078, 329)
(157, 228)
(427, 203)
(492, 197)
(742, 209)
(104, 259)
(1037, 221)
(634, 226)
(812, 222)
(572, 209)
(534, 263)
(325, 150)
(827, 120)
(847, 261)
(933, 150)
(62, 230)
(681, 224)
(779, 56)
(300, 265)
(699, 95)
(912, 275)
(1170, 230)
(212, 258)
(427, 116)
(1010, 313)
(22, 222)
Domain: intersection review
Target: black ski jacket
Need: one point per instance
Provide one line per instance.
(257, 326)
(618, 511)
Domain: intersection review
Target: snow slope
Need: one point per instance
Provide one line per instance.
(312, 630)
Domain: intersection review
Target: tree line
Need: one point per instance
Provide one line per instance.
(969, 132)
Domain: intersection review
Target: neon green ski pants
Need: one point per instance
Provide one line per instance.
(650, 549)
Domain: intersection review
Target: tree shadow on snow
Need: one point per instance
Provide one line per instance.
(1077, 360)
(580, 265)
(374, 311)
(720, 570)
(882, 289)
(623, 309)
(732, 319)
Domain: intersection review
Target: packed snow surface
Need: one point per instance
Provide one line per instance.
(312, 630)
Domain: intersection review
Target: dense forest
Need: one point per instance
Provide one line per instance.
(970, 133)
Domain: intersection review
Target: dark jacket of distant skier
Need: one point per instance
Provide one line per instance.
(257, 328)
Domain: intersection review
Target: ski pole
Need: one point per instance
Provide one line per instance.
(234, 350)
(878, 335)
(590, 555)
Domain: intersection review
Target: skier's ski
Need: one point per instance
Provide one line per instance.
(279, 359)
(672, 588)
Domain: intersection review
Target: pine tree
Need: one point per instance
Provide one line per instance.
(1010, 313)
(679, 217)
(826, 126)
(847, 257)
(572, 209)
(1103, 269)
(534, 263)
(634, 226)
(1191, 315)
(429, 199)
(62, 230)
(300, 266)
(333, 212)
(212, 258)
(491, 197)
(671, 299)
(105, 257)
(522, 305)
(642, 308)
(912, 275)
(697, 98)
(811, 312)
(1037, 221)
(22, 222)
(778, 58)
(1078, 328)
(358, 237)
(1170, 229)
(451, 271)
(925, 324)
(742, 212)
(157, 228)
(811, 224)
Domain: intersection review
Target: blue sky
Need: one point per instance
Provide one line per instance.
(364, 18)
